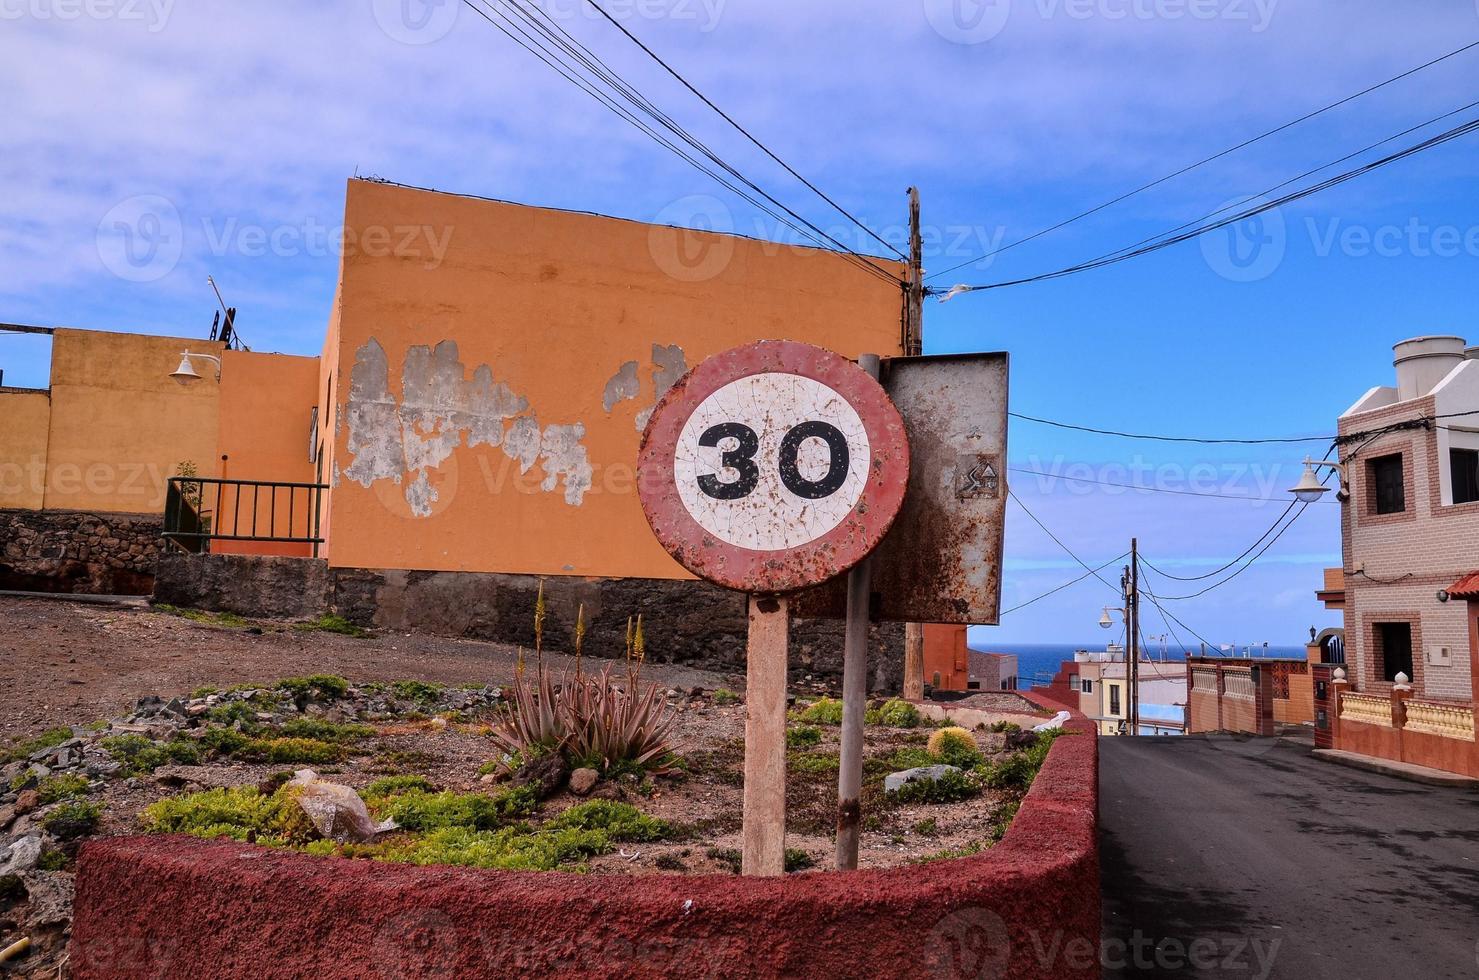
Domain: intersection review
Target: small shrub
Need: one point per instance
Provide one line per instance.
(1004, 726)
(203, 692)
(72, 820)
(927, 827)
(333, 624)
(48, 739)
(798, 860)
(315, 687)
(509, 848)
(389, 786)
(286, 751)
(325, 731)
(822, 711)
(419, 691)
(724, 697)
(814, 762)
(52, 861)
(954, 746)
(240, 813)
(727, 856)
(64, 787)
(242, 713)
(975, 847)
(669, 862)
(898, 713)
(139, 756)
(224, 741)
(619, 821)
(420, 810)
(802, 737)
(952, 787)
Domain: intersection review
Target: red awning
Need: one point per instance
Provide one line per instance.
(1466, 587)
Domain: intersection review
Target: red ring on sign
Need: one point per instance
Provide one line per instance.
(788, 569)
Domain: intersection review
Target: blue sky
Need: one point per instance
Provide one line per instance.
(1009, 115)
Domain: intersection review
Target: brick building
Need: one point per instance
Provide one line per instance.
(1410, 534)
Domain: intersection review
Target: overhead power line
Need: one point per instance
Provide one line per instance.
(745, 132)
(1054, 591)
(1203, 162)
(1159, 438)
(1238, 498)
(1059, 542)
(1457, 132)
(578, 65)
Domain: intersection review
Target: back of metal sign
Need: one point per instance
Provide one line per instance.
(941, 561)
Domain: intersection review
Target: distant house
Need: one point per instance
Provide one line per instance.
(1103, 686)
(1410, 541)
(951, 665)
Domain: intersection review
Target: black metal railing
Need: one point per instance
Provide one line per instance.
(199, 510)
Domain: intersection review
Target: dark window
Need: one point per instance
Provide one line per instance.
(1088, 686)
(1463, 466)
(1114, 699)
(1384, 476)
(972, 685)
(1394, 649)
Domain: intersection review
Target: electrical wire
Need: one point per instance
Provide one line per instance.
(1059, 542)
(1308, 173)
(745, 132)
(1137, 486)
(1216, 156)
(538, 48)
(1168, 617)
(1155, 438)
(1249, 564)
(573, 48)
(1457, 132)
(1055, 591)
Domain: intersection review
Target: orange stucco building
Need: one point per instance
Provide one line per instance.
(485, 374)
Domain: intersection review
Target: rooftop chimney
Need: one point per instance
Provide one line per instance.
(1422, 362)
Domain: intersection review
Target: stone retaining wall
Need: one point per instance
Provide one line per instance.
(685, 622)
(79, 551)
(1027, 908)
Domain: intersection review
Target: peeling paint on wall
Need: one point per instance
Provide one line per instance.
(373, 419)
(439, 403)
(622, 386)
(669, 363)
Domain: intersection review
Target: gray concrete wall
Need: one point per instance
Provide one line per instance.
(248, 585)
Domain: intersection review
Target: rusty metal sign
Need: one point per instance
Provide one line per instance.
(941, 562)
(772, 467)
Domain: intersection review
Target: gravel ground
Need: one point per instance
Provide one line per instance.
(65, 662)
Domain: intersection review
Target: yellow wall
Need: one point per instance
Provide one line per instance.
(553, 304)
(266, 412)
(120, 426)
(25, 417)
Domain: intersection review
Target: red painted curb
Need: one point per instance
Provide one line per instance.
(1027, 908)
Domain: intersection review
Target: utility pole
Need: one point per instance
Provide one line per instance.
(1132, 620)
(913, 345)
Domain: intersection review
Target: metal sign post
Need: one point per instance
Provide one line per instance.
(770, 468)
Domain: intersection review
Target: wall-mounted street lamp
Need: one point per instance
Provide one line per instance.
(1106, 620)
(186, 374)
(1309, 489)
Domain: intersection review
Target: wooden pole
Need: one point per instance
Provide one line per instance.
(1132, 616)
(913, 346)
(854, 698)
(764, 849)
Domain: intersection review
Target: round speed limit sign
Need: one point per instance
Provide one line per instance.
(772, 467)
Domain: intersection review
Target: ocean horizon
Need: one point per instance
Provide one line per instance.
(1038, 662)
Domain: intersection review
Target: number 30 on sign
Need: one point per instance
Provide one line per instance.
(772, 467)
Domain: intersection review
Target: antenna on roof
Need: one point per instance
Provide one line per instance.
(228, 334)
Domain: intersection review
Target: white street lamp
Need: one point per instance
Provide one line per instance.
(1309, 489)
(186, 374)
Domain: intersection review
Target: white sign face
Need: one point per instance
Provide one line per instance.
(771, 461)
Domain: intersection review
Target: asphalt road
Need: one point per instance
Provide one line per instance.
(1231, 857)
